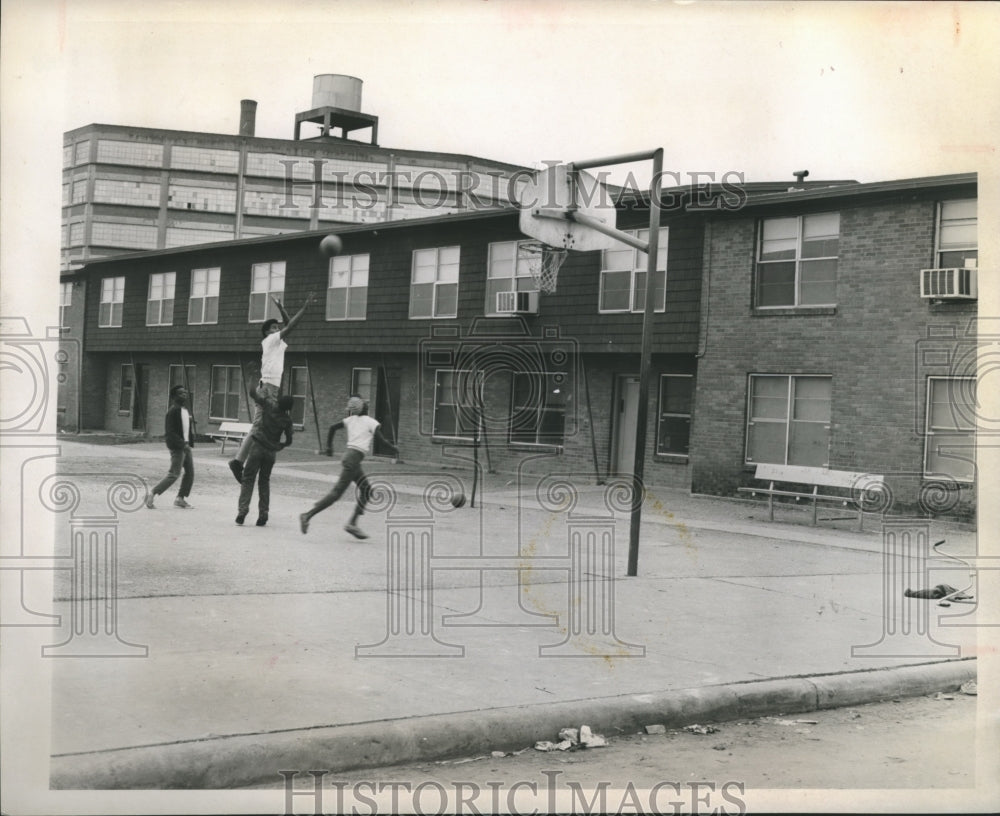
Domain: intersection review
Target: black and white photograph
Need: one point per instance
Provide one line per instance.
(495, 406)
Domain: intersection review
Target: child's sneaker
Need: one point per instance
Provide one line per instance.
(149, 500)
(179, 502)
(241, 518)
(304, 523)
(262, 519)
(356, 531)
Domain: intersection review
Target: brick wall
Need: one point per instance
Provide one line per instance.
(868, 343)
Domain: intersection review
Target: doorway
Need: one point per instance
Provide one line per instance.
(625, 415)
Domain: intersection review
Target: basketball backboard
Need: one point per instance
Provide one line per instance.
(551, 202)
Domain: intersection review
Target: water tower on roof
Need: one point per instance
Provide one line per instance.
(336, 106)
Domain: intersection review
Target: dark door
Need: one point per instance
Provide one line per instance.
(387, 407)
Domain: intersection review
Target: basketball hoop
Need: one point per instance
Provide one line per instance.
(542, 262)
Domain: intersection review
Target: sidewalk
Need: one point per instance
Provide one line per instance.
(270, 650)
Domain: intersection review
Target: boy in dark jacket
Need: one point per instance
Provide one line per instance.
(178, 429)
(265, 443)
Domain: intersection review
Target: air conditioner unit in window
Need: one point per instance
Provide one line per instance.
(517, 302)
(948, 284)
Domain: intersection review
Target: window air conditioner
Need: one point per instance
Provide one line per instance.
(948, 284)
(517, 302)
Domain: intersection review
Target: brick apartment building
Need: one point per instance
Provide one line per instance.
(795, 329)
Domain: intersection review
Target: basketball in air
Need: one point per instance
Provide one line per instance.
(458, 500)
(331, 245)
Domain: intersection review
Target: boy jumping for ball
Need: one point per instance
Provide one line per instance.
(275, 424)
(272, 366)
(361, 431)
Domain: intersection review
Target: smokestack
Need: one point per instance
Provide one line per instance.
(248, 117)
(800, 175)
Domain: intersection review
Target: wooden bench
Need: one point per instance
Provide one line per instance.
(858, 489)
(235, 431)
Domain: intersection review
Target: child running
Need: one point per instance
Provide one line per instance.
(361, 431)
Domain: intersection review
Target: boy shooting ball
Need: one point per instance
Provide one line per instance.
(361, 431)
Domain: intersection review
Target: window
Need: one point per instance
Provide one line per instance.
(623, 276)
(957, 234)
(126, 390)
(789, 420)
(203, 306)
(508, 271)
(112, 303)
(538, 407)
(182, 375)
(949, 445)
(224, 401)
(347, 292)
(361, 383)
(65, 301)
(160, 306)
(455, 398)
(298, 387)
(673, 431)
(797, 261)
(267, 281)
(434, 282)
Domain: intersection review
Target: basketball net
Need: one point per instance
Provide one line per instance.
(542, 262)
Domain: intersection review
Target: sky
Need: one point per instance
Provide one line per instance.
(865, 91)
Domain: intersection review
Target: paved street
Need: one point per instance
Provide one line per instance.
(256, 631)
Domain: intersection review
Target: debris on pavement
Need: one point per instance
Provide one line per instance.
(941, 696)
(571, 734)
(969, 687)
(656, 729)
(548, 745)
(939, 591)
(588, 739)
(701, 729)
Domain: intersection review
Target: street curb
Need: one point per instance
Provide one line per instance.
(240, 761)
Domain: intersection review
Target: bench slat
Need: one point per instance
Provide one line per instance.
(816, 476)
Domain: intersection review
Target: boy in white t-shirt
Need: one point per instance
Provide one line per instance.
(361, 431)
(272, 366)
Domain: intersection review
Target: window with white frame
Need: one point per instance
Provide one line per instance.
(434, 282)
(65, 302)
(673, 430)
(203, 304)
(226, 392)
(181, 375)
(112, 303)
(950, 441)
(789, 420)
(361, 383)
(797, 261)
(623, 276)
(160, 305)
(267, 281)
(538, 407)
(126, 390)
(457, 395)
(347, 290)
(957, 237)
(507, 271)
(298, 388)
